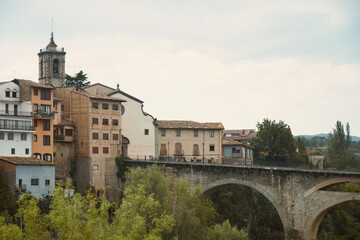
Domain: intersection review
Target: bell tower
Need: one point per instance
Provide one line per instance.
(52, 64)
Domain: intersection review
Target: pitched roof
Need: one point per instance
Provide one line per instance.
(125, 94)
(229, 142)
(241, 132)
(30, 83)
(25, 161)
(189, 124)
(100, 97)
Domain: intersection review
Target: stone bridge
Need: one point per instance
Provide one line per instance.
(296, 194)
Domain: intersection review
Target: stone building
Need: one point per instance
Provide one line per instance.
(138, 127)
(15, 122)
(190, 141)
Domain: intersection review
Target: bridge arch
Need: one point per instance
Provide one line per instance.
(314, 227)
(330, 182)
(213, 186)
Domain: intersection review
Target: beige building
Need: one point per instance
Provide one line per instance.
(98, 138)
(189, 141)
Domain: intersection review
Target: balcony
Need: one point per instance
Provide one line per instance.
(15, 113)
(44, 115)
(17, 128)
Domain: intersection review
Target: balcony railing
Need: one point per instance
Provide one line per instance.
(44, 115)
(57, 50)
(24, 128)
(15, 113)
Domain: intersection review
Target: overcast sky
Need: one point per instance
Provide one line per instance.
(236, 62)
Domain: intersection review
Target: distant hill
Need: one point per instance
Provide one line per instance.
(325, 135)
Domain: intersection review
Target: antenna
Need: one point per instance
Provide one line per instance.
(52, 24)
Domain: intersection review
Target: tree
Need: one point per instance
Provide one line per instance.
(80, 80)
(338, 154)
(274, 139)
(300, 144)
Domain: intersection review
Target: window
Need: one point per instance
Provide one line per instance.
(23, 137)
(42, 68)
(35, 123)
(45, 109)
(45, 94)
(105, 106)
(95, 150)
(233, 150)
(36, 108)
(95, 136)
(14, 94)
(178, 132)
(47, 182)
(105, 136)
(115, 122)
(212, 132)
(115, 136)
(36, 92)
(7, 93)
(68, 132)
(212, 148)
(47, 157)
(146, 131)
(115, 107)
(105, 150)
(95, 121)
(2, 136)
(37, 155)
(196, 133)
(196, 150)
(13, 151)
(34, 182)
(105, 121)
(96, 167)
(10, 136)
(6, 108)
(35, 138)
(20, 182)
(163, 132)
(46, 125)
(163, 150)
(95, 105)
(46, 140)
(55, 66)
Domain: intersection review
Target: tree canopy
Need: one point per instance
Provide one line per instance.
(274, 139)
(79, 79)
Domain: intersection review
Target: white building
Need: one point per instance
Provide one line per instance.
(15, 122)
(138, 127)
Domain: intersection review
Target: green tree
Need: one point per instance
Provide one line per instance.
(300, 144)
(9, 231)
(338, 154)
(275, 140)
(226, 232)
(80, 80)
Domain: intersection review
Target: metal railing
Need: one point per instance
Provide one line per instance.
(57, 49)
(16, 113)
(44, 115)
(25, 128)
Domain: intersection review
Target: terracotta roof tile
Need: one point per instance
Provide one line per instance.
(25, 161)
(32, 84)
(230, 142)
(189, 124)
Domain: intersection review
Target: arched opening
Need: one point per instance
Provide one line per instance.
(249, 208)
(56, 66)
(340, 219)
(330, 183)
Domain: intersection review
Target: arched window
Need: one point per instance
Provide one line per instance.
(41, 68)
(56, 66)
(7, 92)
(14, 93)
(47, 157)
(37, 155)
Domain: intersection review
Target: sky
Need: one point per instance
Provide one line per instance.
(235, 62)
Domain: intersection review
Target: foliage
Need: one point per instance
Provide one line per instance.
(79, 80)
(274, 139)
(122, 169)
(300, 144)
(9, 231)
(343, 221)
(4, 193)
(226, 232)
(338, 154)
(248, 210)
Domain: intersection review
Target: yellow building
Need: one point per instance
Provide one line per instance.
(190, 141)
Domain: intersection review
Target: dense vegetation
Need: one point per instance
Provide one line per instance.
(155, 206)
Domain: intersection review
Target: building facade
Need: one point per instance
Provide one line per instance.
(15, 122)
(28, 174)
(138, 127)
(240, 135)
(237, 153)
(190, 141)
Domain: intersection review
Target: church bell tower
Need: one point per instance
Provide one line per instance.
(52, 64)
